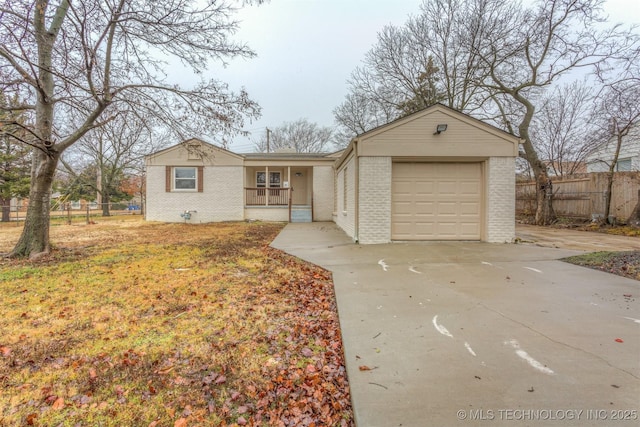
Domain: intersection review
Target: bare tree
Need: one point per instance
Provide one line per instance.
(432, 58)
(357, 114)
(535, 47)
(76, 62)
(115, 150)
(618, 113)
(564, 129)
(301, 136)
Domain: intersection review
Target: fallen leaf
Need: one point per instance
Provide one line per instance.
(365, 368)
(58, 404)
(31, 419)
(92, 374)
(180, 422)
(619, 340)
(241, 421)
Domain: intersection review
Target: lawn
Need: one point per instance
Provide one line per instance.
(130, 323)
(625, 264)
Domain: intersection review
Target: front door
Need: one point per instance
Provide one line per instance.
(299, 180)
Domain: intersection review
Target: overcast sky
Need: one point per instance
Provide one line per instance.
(308, 48)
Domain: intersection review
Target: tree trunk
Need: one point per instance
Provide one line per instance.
(607, 197)
(35, 234)
(611, 172)
(6, 209)
(106, 201)
(545, 214)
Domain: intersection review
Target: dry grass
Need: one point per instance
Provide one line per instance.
(132, 323)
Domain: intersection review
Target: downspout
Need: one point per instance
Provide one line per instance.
(356, 191)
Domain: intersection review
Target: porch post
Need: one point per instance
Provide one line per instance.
(267, 184)
(289, 190)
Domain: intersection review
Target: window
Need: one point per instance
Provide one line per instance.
(261, 179)
(274, 179)
(623, 165)
(184, 178)
(274, 182)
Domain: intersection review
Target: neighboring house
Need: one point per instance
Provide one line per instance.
(556, 168)
(628, 159)
(408, 180)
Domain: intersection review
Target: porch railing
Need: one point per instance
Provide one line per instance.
(267, 196)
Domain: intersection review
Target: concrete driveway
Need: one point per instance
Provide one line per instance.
(469, 334)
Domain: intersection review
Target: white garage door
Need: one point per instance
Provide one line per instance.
(436, 201)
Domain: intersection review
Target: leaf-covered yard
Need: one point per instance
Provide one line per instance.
(144, 324)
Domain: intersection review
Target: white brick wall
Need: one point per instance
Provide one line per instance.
(222, 198)
(375, 200)
(345, 214)
(323, 193)
(500, 213)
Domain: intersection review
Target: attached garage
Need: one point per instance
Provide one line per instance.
(437, 174)
(436, 201)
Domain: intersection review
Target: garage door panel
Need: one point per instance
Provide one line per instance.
(447, 230)
(447, 188)
(436, 201)
(467, 188)
(424, 208)
(426, 227)
(447, 208)
(469, 231)
(470, 208)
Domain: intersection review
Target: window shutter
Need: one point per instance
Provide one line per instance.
(168, 179)
(200, 179)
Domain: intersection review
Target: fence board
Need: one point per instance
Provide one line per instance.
(583, 196)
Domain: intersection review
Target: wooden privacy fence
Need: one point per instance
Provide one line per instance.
(583, 196)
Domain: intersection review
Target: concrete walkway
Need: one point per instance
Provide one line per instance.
(464, 333)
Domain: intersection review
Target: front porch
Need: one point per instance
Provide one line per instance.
(279, 193)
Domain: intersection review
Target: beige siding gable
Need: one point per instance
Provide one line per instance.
(194, 152)
(414, 136)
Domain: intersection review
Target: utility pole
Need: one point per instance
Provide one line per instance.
(268, 133)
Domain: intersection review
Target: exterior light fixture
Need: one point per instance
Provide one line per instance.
(298, 173)
(440, 129)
